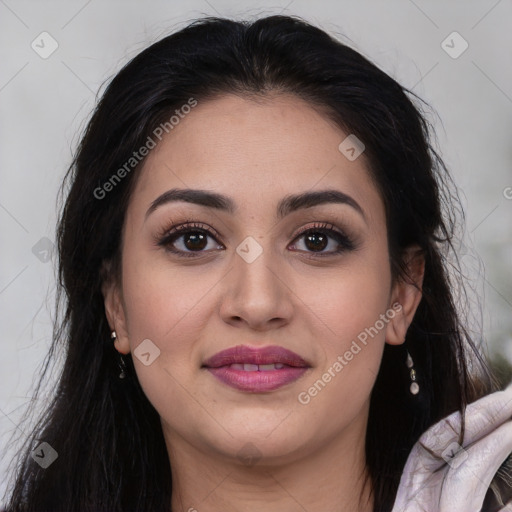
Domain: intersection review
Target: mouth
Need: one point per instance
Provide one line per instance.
(256, 369)
(247, 358)
(249, 367)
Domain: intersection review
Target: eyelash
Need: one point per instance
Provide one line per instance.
(168, 236)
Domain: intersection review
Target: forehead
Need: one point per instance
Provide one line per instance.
(253, 149)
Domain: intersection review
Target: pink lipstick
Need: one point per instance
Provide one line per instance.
(256, 369)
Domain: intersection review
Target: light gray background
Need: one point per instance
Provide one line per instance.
(46, 102)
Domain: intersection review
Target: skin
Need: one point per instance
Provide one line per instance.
(309, 456)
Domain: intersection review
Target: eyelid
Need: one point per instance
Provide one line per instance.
(320, 225)
(188, 225)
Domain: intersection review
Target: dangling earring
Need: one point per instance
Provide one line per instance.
(121, 363)
(414, 388)
(122, 367)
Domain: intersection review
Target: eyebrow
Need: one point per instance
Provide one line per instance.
(223, 203)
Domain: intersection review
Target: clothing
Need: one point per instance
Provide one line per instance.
(441, 475)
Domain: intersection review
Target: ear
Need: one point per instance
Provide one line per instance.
(114, 308)
(406, 292)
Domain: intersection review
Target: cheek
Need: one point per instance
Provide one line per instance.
(173, 324)
(351, 350)
(357, 304)
(349, 301)
(352, 306)
(164, 302)
(169, 308)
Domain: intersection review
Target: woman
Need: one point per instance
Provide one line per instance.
(258, 233)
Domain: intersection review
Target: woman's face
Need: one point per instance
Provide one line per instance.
(246, 276)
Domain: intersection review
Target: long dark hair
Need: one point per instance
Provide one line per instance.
(111, 451)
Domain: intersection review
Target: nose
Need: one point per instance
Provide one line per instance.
(255, 292)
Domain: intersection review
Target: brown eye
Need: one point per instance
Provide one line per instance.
(316, 241)
(322, 236)
(187, 239)
(195, 241)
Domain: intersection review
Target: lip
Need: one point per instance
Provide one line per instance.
(290, 367)
(255, 355)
